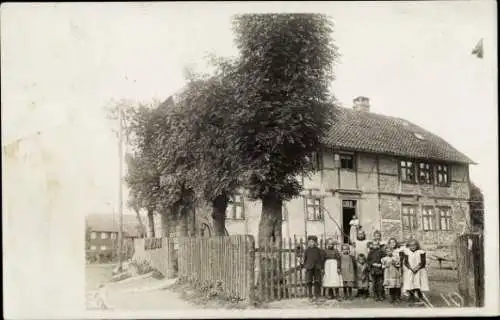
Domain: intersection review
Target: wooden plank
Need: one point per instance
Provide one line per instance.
(294, 264)
(289, 277)
(303, 287)
(265, 272)
(279, 267)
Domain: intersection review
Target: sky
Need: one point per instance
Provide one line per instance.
(63, 63)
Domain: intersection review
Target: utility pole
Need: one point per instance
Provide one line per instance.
(120, 188)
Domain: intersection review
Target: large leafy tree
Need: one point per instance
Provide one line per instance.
(282, 80)
(208, 105)
(476, 206)
(175, 161)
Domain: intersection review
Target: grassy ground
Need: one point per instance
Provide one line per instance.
(202, 299)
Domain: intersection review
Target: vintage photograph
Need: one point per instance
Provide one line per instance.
(337, 156)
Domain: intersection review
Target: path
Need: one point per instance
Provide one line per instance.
(144, 293)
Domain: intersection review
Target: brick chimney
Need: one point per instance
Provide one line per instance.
(361, 104)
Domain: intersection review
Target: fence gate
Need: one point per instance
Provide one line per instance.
(470, 263)
(279, 274)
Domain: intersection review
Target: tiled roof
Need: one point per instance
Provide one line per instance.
(110, 223)
(375, 133)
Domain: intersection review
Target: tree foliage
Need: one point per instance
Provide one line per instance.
(252, 123)
(282, 82)
(476, 206)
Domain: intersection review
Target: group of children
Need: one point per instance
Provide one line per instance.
(366, 263)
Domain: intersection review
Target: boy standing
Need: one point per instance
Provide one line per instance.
(314, 261)
(375, 264)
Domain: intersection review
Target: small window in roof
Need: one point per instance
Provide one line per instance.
(419, 136)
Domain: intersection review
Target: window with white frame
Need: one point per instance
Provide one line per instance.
(444, 216)
(313, 208)
(93, 235)
(103, 247)
(113, 235)
(428, 219)
(235, 208)
(407, 171)
(409, 216)
(442, 175)
(93, 248)
(104, 235)
(425, 173)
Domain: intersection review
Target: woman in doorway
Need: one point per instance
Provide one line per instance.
(353, 229)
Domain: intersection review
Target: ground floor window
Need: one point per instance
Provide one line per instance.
(284, 213)
(428, 219)
(409, 217)
(444, 216)
(235, 208)
(313, 208)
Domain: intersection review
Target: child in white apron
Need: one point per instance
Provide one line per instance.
(332, 280)
(415, 278)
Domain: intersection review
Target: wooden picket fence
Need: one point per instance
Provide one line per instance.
(279, 274)
(225, 263)
(470, 266)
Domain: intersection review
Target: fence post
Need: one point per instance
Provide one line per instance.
(470, 269)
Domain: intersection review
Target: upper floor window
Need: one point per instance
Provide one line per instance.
(93, 235)
(409, 215)
(113, 235)
(235, 208)
(407, 171)
(104, 235)
(314, 209)
(93, 248)
(347, 161)
(315, 159)
(428, 219)
(444, 216)
(425, 173)
(103, 248)
(442, 175)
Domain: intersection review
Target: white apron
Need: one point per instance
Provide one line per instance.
(332, 278)
(419, 280)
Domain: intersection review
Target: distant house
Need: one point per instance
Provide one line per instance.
(103, 231)
(394, 175)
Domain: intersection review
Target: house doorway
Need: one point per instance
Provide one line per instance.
(348, 211)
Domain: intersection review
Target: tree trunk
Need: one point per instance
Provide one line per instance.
(270, 226)
(270, 220)
(151, 222)
(182, 226)
(141, 225)
(219, 206)
(166, 224)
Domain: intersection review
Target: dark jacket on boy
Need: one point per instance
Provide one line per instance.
(314, 258)
(375, 257)
(314, 261)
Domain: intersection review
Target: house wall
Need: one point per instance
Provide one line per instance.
(98, 242)
(376, 186)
